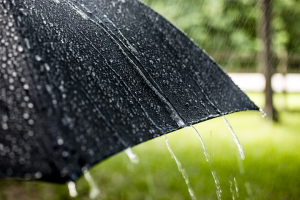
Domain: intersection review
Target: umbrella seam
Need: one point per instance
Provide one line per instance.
(174, 113)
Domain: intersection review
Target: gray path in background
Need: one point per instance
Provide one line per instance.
(255, 82)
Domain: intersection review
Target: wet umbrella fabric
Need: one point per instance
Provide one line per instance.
(83, 80)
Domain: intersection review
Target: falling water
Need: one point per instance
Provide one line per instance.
(207, 159)
(132, 156)
(231, 190)
(72, 189)
(236, 187)
(180, 168)
(203, 145)
(217, 183)
(236, 140)
(248, 189)
(94, 191)
(263, 114)
(240, 165)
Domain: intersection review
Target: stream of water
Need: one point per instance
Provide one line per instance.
(132, 156)
(203, 145)
(94, 190)
(72, 189)
(236, 140)
(180, 168)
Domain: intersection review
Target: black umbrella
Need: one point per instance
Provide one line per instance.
(84, 79)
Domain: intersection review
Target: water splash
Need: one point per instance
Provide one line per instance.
(263, 114)
(132, 156)
(203, 145)
(217, 183)
(94, 190)
(180, 168)
(72, 189)
(236, 140)
(236, 187)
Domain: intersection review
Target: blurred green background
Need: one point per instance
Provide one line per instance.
(226, 29)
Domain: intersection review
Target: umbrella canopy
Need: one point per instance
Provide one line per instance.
(84, 79)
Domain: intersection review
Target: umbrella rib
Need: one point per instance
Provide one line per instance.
(98, 22)
(174, 113)
(124, 83)
(111, 34)
(209, 101)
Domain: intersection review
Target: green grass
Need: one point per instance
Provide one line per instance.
(271, 169)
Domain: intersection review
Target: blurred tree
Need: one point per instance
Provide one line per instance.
(266, 58)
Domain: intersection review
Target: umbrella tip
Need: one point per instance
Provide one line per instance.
(263, 114)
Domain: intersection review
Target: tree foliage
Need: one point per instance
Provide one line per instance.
(227, 29)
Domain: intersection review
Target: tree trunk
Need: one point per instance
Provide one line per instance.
(266, 60)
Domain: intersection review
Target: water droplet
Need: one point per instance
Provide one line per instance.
(60, 141)
(20, 48)
(31, 122)
(80, 12)
(72, 189)
(26, 87)
(30, 105)
(38, 175)
(4, 126)
(179, 121)
(133, 50)
(263, 114)
(132, 156)
(38, 58)
(65, 154)
(26, 116)
(27, 43)
(47, 67)
(30, 133)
